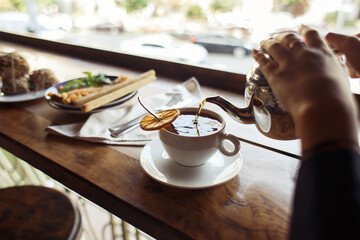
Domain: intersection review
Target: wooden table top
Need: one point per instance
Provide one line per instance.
(256, 204)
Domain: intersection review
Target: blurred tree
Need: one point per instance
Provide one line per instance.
(44, 3)
(223, 5)
(169, 6)
(331, 19)
(357, 3)
(295, 7)
(12, 5)
(20, 5)
(135, 5)
(195, 12)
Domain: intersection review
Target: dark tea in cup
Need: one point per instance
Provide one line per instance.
(192, 142)
(189, 125)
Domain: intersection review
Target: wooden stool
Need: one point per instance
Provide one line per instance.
(36, 212)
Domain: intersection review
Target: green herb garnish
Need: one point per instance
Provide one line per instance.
(89, 81)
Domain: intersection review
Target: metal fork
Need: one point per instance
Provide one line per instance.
(126, 127)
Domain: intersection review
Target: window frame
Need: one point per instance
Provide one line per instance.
(224, 80)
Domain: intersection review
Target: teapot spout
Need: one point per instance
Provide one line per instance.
(242, 115)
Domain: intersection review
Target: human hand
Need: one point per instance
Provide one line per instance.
(311, 85)
(298, 71)
(350, 47)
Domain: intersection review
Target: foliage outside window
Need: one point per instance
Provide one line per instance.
(20, 5)
(195, 12)
(223, 5)
(134, 5)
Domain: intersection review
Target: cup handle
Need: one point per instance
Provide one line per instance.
(234, 140)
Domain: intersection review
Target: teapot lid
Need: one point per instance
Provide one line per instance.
(255, 76)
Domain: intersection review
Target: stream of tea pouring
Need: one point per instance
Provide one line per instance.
(201, 105)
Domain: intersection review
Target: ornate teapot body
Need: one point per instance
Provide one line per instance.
(263, 108)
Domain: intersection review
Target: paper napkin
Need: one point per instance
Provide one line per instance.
(95, 129)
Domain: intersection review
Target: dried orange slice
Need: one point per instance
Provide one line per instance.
(166, 117)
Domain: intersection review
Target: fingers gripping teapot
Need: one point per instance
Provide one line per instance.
(263, 108)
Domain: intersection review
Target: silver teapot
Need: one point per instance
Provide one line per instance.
(263, 108)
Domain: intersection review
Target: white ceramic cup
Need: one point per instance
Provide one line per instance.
(196, 150)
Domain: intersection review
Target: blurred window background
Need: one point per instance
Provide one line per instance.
(216, 34)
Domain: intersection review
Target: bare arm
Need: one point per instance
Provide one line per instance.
(313, 86)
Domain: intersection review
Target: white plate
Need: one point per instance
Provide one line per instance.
(120, 104)
(55, 89)
(22, 97)
(159, 166)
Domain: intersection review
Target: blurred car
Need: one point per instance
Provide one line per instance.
(218, 43)
(109, 27)
(165, 47)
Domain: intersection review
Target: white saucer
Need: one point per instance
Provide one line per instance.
(159, 166)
